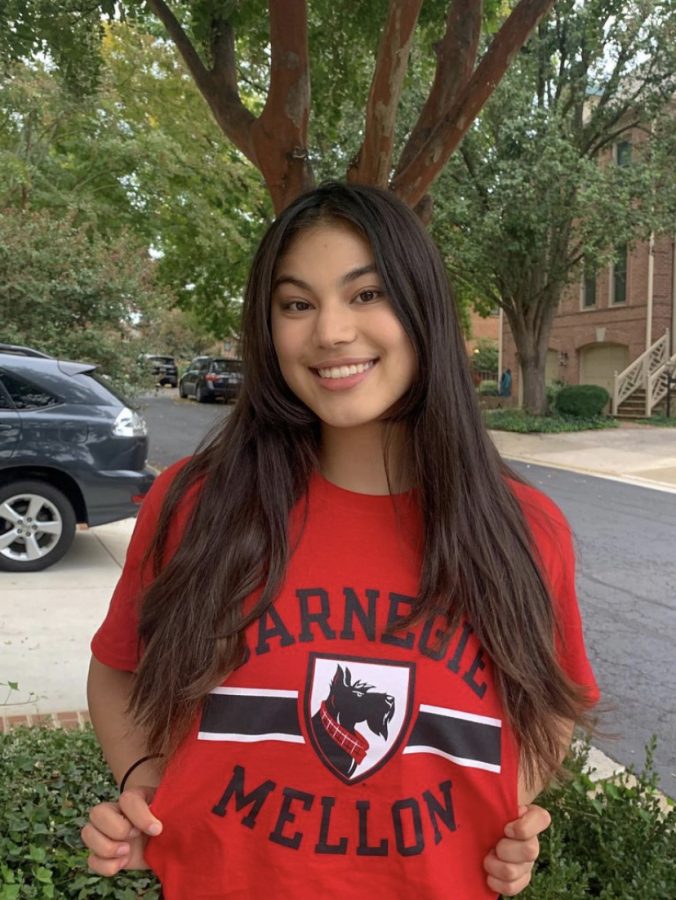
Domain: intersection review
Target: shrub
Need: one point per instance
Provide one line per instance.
(49, 779)
(552, 391)
(488, 388)
(582, 400)
(610, 841)
(485, 356)
(521, 422)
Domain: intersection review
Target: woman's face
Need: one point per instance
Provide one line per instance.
(340, 347)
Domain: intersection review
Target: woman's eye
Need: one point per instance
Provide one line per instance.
(296, 306)
(369, 295)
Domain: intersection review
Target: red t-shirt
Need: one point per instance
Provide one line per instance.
(342, 761)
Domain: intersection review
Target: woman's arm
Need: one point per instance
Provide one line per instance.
(117, 833)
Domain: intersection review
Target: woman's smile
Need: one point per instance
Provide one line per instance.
(340, 346)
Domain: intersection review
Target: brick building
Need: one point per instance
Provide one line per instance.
(610, 318)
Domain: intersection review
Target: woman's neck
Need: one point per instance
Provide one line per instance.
(354, 458)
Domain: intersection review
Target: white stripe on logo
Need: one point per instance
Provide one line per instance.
(254, 692)
(470, 763)
(250, 738)
(459, 714)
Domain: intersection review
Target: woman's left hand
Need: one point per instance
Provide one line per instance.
(510, 865)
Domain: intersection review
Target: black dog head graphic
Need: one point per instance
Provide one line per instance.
(350, 703)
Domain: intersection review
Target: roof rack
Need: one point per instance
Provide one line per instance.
(18, 350)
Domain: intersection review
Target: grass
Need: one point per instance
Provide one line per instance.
(521, 422)
(660, 421)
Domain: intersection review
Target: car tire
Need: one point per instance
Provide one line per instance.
(201, 395)
(40, 539)
(181, 391)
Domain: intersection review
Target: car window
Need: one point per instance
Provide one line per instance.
(227, 365)
(26, 395)
(163, 360)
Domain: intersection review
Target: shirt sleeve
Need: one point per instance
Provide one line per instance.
(116, 642)
(553, 539)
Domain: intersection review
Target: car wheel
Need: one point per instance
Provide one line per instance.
(37, 525)
(201, 394)
(181, 391)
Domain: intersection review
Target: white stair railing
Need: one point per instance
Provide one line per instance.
(658, 384)
(638, 374)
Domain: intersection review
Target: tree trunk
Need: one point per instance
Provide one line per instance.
(531, 326)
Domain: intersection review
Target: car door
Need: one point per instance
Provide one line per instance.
(10, 424)
(39, 411)
(190, 378)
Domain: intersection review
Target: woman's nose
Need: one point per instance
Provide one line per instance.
(335, 325)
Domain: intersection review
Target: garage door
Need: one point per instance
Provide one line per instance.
(599, 362)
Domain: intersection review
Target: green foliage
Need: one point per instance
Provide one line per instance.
(48, 782)
(532, 194)
(612, 840)
(488, 388)
(521, 422)
(583, 401)
(551, 392)
(485, 356)
(660, 421)
(72, 296)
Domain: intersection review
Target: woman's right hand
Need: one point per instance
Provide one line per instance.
(117, 833)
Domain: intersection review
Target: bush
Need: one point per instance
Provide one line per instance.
(488, 388)
(610, 841)
(521, 422)
(49, 779)
(552, 391)
(583, 401)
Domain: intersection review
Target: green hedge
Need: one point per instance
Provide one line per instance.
(614, 845)
(581, 400)
(488, 388)
(521, 422)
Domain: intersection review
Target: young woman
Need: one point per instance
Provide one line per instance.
(353, 633)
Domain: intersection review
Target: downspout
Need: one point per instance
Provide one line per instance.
(651, 287)
(501, 317)
(672, 336)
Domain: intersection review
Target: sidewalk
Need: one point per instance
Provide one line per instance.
(47, 618)
(636, 454)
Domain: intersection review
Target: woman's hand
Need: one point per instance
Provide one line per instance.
(117, 833)
(510, 865)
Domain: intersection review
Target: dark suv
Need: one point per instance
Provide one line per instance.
(162, 367)
(209, 377)
(71, 451)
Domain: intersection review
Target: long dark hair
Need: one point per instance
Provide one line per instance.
(479, 563)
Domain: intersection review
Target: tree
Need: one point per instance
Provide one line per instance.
(141, 154)
(534, 193)
(224, 43)
(72, 296)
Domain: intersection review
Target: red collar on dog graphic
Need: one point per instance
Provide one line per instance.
(357, 712)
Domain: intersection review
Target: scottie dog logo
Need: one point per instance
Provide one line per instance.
(357, 712)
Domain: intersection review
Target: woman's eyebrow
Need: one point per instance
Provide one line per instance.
(352, 275)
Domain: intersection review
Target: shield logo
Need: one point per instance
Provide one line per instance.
(357, 712)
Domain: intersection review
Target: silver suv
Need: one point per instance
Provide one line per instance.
(71, 451)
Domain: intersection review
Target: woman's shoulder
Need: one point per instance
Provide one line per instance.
(550, 530)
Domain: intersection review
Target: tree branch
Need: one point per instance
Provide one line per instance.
(456, 56)
(280, 134)
(218, 86)
(413, 181)
(374, 158)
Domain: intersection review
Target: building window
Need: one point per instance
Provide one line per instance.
(589, 287)
(623, 153)
(618, 277)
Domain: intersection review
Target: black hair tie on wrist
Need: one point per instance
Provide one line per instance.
(135, 765)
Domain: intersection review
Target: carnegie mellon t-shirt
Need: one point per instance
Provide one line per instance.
(342, 760)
